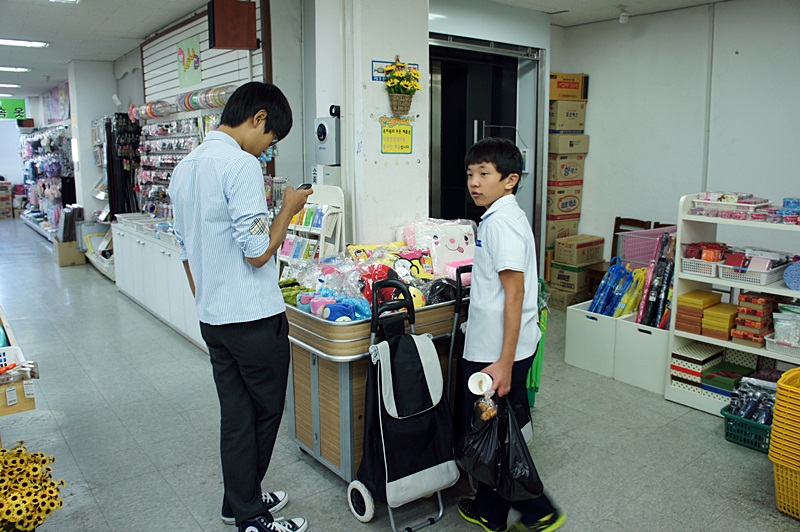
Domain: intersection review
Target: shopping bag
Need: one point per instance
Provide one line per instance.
(495, 453)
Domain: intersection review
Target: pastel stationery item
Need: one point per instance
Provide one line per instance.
(451, 267)
(304, 300)
(760, 264)
(318, 305)
(288, 245)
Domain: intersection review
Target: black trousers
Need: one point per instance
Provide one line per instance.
(488, 504)
(250, 362)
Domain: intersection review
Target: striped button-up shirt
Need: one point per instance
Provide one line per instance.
(504, 242)
(220, 210)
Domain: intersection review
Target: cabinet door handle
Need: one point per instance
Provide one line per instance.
(162, 251)
(168, 254)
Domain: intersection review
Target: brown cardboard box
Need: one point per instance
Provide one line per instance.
(564, 199)
(567, 116)
(566, 166)
(579, 250)
(559, 229)
(23, 403)
(568, 143)
(560, 300)
(67, 253)
(568, 86)
(568, 278)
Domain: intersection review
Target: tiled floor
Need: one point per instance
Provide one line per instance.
(129, 409)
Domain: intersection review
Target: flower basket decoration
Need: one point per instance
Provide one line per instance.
(401, 83)
(28, 493)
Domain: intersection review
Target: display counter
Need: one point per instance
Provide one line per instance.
(328, 379)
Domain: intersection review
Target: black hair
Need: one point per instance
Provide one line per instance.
(251, 98)
(501, 152)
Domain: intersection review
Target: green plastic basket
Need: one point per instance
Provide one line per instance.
(746, 432)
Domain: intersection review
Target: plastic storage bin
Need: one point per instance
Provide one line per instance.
(590, 340)
(747, 276)
(746, 431)
(787, 489)
(641, 355)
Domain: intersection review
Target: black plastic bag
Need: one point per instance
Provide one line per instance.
(495, 453)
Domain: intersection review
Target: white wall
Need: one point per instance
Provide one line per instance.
(10, 161)
(130, 80)
(666, 113)
(91, 84)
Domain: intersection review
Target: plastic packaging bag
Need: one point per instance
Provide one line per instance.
(495, 453)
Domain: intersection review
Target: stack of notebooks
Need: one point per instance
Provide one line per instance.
(689, 315)
(718, 321)
(754, 319)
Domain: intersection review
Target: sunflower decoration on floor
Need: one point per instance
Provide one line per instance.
(28, 493)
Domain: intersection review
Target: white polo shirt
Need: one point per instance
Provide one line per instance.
(504, 242)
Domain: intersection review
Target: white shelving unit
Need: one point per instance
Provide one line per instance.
(329, 232)
(693, 228)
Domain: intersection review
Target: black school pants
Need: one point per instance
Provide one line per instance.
(488, 504)
(250, 362)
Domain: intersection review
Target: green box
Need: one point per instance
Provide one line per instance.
(725, 375)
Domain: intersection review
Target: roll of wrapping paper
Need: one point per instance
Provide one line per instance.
(665, 318)
(649, 297)
(622, 287)
(608, 283)
(662, 296)
(631, 298)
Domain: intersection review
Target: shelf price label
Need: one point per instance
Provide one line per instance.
(396, 135)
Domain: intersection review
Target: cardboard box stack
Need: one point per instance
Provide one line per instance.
(6, 187)
(689, 314)
(568, 147)
(571, 258)
(753, 319)
(690, 361)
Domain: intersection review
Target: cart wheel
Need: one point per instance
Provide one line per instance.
(360, 500)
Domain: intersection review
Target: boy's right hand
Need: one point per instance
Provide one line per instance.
(295, 200)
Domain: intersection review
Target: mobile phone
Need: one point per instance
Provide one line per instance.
(304, 186)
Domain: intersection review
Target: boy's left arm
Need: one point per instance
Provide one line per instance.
(514, 287)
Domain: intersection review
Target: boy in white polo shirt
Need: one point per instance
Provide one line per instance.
(503, 330)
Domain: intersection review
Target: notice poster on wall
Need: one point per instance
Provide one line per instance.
(396, 134)
(188, 55)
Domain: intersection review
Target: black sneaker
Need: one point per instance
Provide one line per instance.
(260, 524)
(548, 523)
(273, 501)
(466, 511)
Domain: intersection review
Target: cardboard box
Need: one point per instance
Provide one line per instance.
(23, 403)
(579, 250)
(568, 144)
(569, 86)
(568, 278)
(559, 229)
(564, 199)
(560, 299)
(67, 253)
(567, 116)
(564, 167)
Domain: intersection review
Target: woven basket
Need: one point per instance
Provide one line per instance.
(400, 103)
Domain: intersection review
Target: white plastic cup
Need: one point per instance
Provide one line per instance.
(480, 384)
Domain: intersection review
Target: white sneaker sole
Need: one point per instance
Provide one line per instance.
(277, 507)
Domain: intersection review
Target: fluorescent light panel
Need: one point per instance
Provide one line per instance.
(5, 95)
(14, 69)
(24, 44)
(67, 1)
(9, 86)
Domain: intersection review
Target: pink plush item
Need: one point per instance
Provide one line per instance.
(450, 271)
(318, 305)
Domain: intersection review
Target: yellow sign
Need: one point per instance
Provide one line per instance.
(396, 134)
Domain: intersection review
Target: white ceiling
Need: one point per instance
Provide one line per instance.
(105, 30)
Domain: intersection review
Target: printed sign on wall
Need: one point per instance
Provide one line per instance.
(188, 55)
(379, 69)
(396, 134)
(13, 109)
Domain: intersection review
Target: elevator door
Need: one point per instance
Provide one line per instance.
(473, 95)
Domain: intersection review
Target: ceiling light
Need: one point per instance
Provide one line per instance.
(14, 69)
(26, 44)
(67, 1)
(5, 95)
(9, 86)
(623, 15)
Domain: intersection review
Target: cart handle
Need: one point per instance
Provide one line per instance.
(395, 304)
(460, 288)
